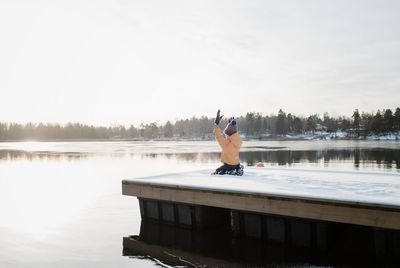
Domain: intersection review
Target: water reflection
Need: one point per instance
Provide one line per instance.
(12, 155)
(386, 157)
(215, 248)
(218, 248)
(379, 158)
(62, 201)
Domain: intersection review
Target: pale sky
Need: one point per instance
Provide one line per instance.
(107, 62)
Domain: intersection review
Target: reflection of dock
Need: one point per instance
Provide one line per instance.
(211, 248)
(265, 209)
(174, 247)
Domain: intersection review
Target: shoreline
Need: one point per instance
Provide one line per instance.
(199, 140)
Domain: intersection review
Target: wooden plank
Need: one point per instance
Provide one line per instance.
(310, 209)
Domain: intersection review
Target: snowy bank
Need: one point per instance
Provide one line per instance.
(385, 137)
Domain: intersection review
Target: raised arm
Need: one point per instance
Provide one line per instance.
(220, 137)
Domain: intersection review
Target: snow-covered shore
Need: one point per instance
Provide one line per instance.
(338, 135)
(385, 137)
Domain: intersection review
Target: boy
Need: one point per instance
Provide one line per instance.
(230, 143)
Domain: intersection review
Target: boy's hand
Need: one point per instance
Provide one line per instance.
(218, 118)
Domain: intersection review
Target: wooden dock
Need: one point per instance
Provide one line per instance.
(371, 213)
(271, 207)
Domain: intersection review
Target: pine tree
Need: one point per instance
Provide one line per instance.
(356, 122)
(281, 123)
(168, 130)
(388, 121)
(298, 125)
(133, 132)
(312, 122)
(367, 120)
(397, 119)
(250, 119)
(377, 123)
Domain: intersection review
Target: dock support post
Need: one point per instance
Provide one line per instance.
(275, 228)
(191, 216)
(280, 229)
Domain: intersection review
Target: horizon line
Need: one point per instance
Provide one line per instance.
(160, 123)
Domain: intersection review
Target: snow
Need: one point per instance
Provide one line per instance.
(339, 134)
(385, 137)
(319, 135)
(378, 188)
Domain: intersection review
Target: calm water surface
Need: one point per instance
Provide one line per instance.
(61, 202)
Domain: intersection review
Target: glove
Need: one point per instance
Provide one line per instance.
(232, 121)
(218, 118)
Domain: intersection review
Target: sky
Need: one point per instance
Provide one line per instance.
(124, 62)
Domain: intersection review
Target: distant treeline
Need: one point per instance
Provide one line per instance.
(252, 124)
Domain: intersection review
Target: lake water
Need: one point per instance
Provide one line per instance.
(61, 202)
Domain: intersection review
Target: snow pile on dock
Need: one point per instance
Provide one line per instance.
(378, 188)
